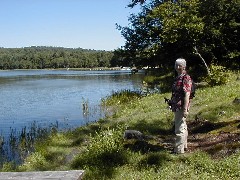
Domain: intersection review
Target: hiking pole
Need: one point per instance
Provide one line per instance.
(168, 101)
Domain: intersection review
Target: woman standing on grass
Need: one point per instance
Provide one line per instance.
(180, 99)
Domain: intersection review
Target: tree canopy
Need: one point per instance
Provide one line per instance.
(40, 57)
(203, 31)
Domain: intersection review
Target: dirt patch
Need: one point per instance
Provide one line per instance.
(218, 145)
(217, 139)
(207, 136)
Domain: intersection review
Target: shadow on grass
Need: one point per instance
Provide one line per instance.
(143, 147)
(96, 173)
(156, 127)
(100, 165)
(206, 126)
(220, 144)
(155, 160)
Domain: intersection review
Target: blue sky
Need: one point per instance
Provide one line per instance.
(88, 24)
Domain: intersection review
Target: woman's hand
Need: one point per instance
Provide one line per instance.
(185, 113)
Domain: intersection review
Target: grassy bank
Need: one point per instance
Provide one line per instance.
(101, 150)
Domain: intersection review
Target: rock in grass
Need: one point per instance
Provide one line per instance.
(236, 100)
(133, 134)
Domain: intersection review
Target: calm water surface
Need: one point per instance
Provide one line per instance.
(45, 97)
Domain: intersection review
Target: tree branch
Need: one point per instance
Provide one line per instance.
(204, 62)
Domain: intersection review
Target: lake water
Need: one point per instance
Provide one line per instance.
(45, 97)
(42, 99)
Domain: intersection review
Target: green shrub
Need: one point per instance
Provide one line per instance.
(162, 83)
(121, 97)
(104, 150)
(151, 79)
(8, 166)
(218, 76)
(35, 162)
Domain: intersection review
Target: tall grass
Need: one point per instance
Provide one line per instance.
(17, 146)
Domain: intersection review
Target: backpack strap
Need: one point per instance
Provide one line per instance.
(192, 92)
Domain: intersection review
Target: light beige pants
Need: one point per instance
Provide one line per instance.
(181, 132)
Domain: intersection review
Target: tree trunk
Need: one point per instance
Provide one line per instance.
(204, 62)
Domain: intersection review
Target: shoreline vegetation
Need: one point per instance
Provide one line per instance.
(73, 69)
(132, 69)
(101, 150)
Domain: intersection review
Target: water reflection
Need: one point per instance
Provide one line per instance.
(43, 99)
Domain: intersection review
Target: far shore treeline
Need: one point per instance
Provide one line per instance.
(41, 57)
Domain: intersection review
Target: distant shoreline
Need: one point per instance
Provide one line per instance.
(72, 69)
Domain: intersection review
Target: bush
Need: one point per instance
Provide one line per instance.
(104, 150)
(218, 76)
(35, 162)
(121, 97)
(8, 166)
(162, 83)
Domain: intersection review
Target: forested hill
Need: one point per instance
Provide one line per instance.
(40, 57)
